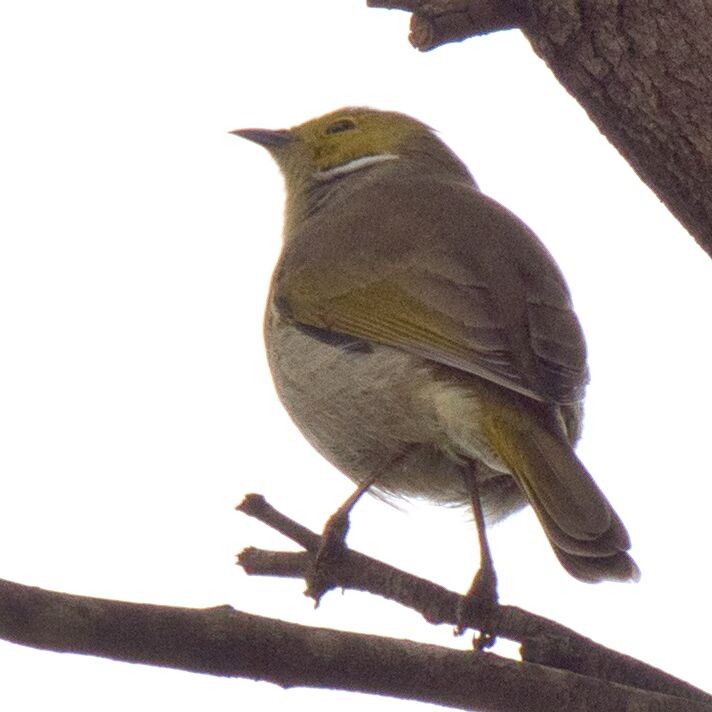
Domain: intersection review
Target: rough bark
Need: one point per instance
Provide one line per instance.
(642, 70)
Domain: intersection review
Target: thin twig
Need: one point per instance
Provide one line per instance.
(543, 641)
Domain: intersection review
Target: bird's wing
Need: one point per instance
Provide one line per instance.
(444, 273)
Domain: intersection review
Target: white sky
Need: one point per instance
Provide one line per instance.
(136, 244)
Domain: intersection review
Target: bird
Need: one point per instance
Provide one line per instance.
(424, 341)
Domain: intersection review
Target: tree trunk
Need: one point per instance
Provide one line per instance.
(641, 69)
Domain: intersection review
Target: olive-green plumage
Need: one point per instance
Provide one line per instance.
(416, 329)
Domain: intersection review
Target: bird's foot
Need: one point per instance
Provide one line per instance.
(331, 550)
(479, 604)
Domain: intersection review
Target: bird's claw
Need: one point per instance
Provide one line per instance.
(330, 552)
(479, 603)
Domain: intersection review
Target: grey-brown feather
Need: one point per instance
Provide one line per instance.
(408, 409)
(465, 258)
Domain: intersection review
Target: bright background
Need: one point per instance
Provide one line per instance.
(136, 243)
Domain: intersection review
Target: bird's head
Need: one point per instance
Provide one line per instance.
(352, 140)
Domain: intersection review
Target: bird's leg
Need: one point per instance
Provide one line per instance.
(481, 598)
(332, 545)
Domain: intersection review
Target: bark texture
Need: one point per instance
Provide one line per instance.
(642, 70)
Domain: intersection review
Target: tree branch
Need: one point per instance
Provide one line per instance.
(639, 69)
(544, 642)
(437, 22)
(222, 641)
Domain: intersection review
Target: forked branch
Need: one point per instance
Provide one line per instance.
(543, 641)
(639, 71)
(558, 664)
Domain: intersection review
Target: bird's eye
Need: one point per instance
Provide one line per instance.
(339, 126)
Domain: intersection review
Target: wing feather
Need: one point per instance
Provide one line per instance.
(447, 274)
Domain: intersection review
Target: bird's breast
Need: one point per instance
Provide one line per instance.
(369, 408)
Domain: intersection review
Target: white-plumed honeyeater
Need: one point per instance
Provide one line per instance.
(423, 338)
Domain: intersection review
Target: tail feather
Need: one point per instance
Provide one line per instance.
(605, 545)
(619, 567)
(586, 534)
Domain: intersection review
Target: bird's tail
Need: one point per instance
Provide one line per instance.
(586, 534)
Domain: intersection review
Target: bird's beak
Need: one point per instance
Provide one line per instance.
(265, 137)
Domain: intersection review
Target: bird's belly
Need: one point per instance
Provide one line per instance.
(375, 410)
